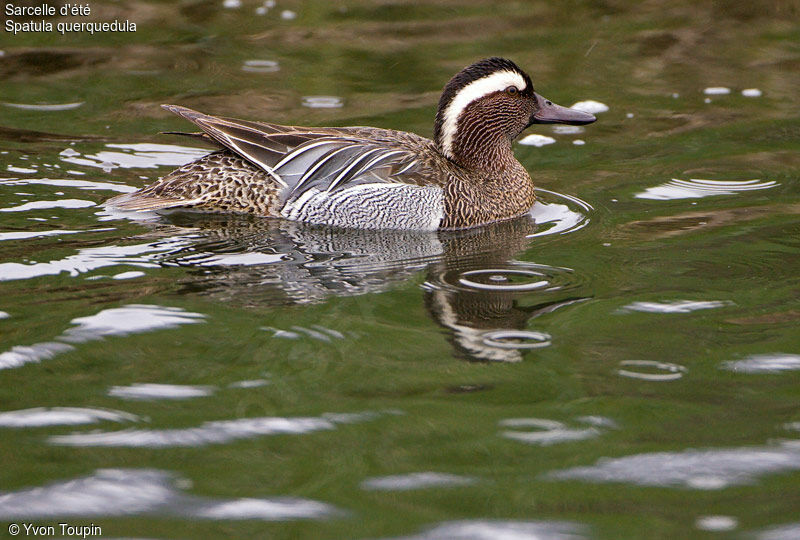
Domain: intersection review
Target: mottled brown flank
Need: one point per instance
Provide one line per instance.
(217, 182)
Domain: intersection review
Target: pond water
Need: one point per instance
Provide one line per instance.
(623, 362)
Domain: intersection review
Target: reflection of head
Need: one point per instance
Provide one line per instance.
(477, 319)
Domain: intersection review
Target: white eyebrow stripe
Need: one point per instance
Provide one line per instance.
(497, 81)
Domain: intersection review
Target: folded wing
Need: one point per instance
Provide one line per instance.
(325, 159)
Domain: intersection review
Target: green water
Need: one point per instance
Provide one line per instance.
(624, 363)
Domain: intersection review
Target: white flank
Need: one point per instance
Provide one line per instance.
(497, 81)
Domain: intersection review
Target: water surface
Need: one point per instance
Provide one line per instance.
(623, 362)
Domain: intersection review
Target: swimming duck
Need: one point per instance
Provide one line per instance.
(368, 177)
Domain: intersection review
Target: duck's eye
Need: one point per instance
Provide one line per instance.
(512, 90)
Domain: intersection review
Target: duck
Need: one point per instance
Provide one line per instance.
(369, 177)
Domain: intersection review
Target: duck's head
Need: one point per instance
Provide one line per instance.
(486, 106)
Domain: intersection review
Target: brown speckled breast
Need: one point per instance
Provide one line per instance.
(471, 201)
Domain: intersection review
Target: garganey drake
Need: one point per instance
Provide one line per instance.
(368, 177)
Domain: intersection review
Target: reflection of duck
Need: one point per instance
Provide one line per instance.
(269, 262)
(486, 321)
(368, 177)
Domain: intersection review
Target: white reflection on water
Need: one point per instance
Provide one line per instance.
(491, 529)
(150, 391)
(696, 188)
(61, 416)
(24, 354)
(128, 275)
(240, 259)
(322, 102)
(556, 218)
(764, 363)
(120, 492)
(88, 259)
(139, 155)
(251, 383)
(273, 509)
(78, 184)
(209, 433)
(44, 205)
(677, 306)
(131, 319)
(45, 106)
(260, 66)
(21, 170)
(537, 140)
(716, 523)
(717, 91)
(564, 129)
(697, 469)
(789, 531)
(320, 333)
(41, 234)
(418, 480)
(590, 106)
(217, 432)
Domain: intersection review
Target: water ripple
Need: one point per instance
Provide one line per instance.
(136, 155)
(559, 218)
(789, 531)
(661, 371)
(696, 188)
(516, 339)
(218, 432)
(676, 306)
(545, 432)
(78, 184)
(126, 320)
(122, 321)
(490, 529)
(716, 523)
(260, 66)
(45, 205)
(764, 363)
(518, 277)
(418, 480)
(88, 259)
(322, 102)
(61, 416)
(45, 106)
(5, 236)
(503, 280)
(150, 391)
(697, 469)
